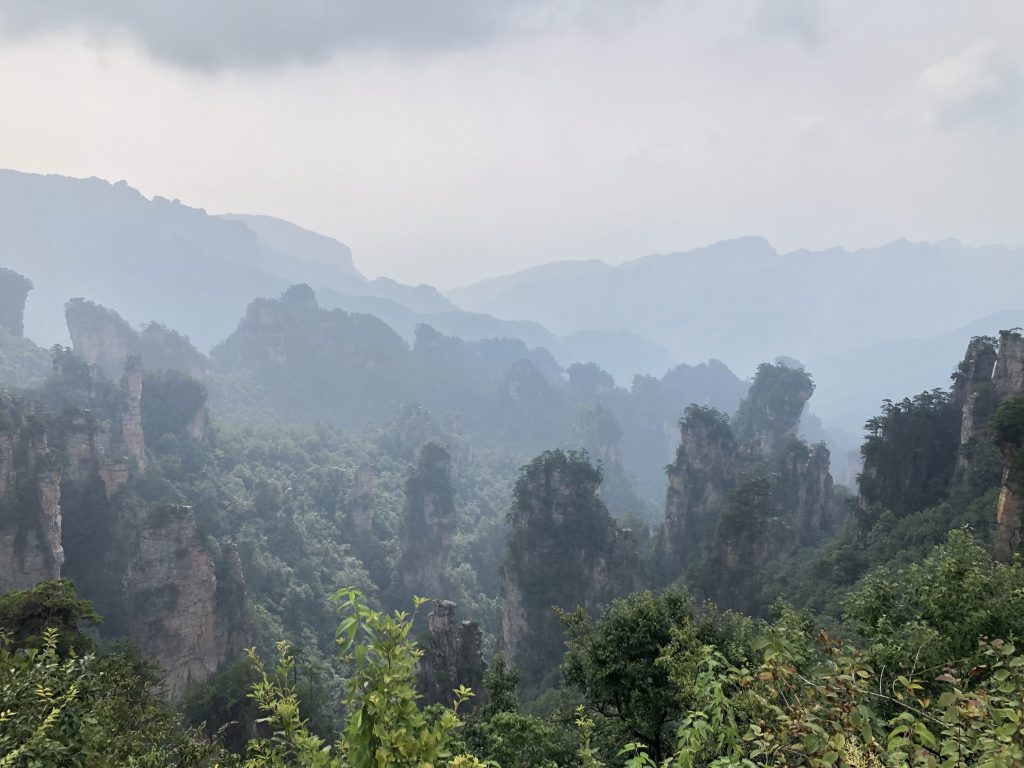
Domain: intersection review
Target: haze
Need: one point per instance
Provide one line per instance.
(449, 147)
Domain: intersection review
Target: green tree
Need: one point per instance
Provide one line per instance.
(26, 614)
(630, 663)
(384, 727)
(924, 615)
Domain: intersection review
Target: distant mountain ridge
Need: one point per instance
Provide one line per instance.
(161, 260)
(742, 301)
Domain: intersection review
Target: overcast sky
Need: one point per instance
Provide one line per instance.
(454, 140)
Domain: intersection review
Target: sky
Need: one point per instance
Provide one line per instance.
(455, 140)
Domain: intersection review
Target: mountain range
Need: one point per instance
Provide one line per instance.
(867, 323)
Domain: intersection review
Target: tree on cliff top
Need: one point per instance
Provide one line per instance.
(774, 403)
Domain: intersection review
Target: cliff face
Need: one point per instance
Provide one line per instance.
(172, 595)
(1008, 513)
(13, 292)
(1008, 434)
(770, 413)
(67, 508)
(965, 440)
(428, 525)
(974, 397)
(744, 493)
(563, 550)
(705, 470)
(131, 418)
(101, 337)
(30, 515)
(1008, 376)
(452, 656)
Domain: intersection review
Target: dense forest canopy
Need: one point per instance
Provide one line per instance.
(163, 510)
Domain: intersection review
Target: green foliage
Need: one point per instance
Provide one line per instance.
(500, 733)
(774, 403)
(384, 725)
(88, 712)
(934, 612)
(635, 663)
(27, 615)
(909, 452)
(22, 363)
(822, 705)
(170, 400)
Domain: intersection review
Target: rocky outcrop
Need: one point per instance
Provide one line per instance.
(100, 336)
(973, 396)
(804, 490)
(1008, 434)
(163, 349)
(1008, 512)
(114, 475)
(6, 461)
(744, 493)
(452, 657)
(564, 550)
(31, 547)
(770, 413)
(428, 524)
(30, 533)
(362, 500)
(13, 292)
(131, 418)
(705, 469)
(1008, 376)
(170, 590)
(67, 508)
(103, 338)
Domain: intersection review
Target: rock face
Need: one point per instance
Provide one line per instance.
(1008, 513)
(452, 656)
(563, 550)
(1008, 376)
(770, 413)
(744, 493)
(67, 508)
(131, 418)
(974, 397)
(964, 440)
(170, 593)
(101, 337)
(31, 548)
(705, 470)
(13, 291)
(428, 525)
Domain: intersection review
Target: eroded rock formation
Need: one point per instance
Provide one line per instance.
(101, 337)
(973, 396)
(13, 292)
(67, 508)
(171, 594)
(428, 525)
(705, 470)
(564, 550)
(1008, 376)
(744, 493)
(131, 417)
(452, 657)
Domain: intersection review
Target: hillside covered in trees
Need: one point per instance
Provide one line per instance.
(163, 510)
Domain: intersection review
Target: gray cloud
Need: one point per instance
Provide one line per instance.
(982, 82)
(211, 36)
